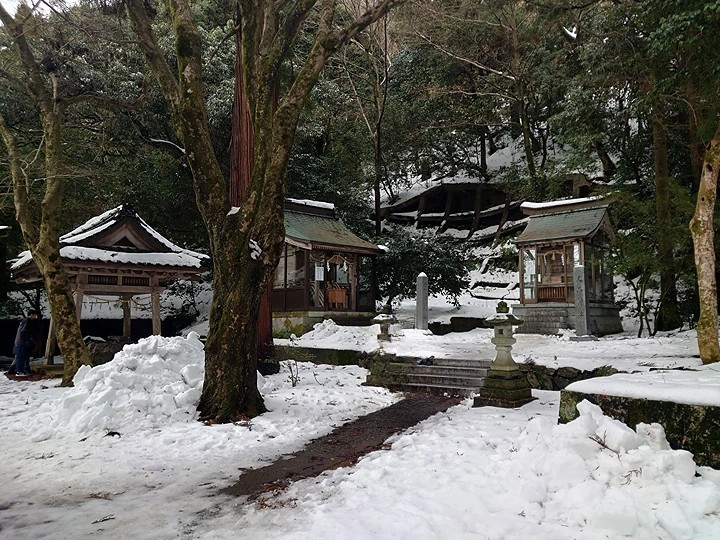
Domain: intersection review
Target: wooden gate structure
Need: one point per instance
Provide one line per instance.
(116, 254)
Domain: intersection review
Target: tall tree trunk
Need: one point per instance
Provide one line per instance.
(43, 241)
(694, 142)
(377, 180)
(241, 169)
(669, 316)
(246, 244)
(607, 163)
(703, 235)
(536, 186)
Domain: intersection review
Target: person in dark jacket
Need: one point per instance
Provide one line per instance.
(24, 344)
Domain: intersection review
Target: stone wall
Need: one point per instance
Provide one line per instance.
(547, 378)
(335, 357)
(687, 427)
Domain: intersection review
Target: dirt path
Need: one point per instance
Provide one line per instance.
(343, 447)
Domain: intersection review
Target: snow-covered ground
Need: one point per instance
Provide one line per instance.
(121, 455)
(625, 352)
(475, 473)
(158, 470)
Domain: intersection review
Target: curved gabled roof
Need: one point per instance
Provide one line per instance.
(316, 226)
(569, 225)
(120, 236)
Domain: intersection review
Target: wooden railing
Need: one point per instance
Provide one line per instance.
(552, 293)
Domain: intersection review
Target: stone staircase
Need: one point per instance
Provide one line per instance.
(433, 375)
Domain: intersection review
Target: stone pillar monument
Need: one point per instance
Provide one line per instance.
(421, 302)
(581, 297)
(505, 385)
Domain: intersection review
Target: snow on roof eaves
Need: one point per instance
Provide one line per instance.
(160, 238)
(561, 202)
(82, 235)
(108, 219)
(79, 253)
(92, 225)
(316, 204)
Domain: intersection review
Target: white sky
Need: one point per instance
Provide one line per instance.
(11, 5)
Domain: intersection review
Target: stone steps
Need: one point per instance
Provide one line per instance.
(446, 380)
(441, 389)
(464, 363)
(454, 377)
(452, 371)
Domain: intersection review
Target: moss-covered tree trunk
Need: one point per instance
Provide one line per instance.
(43, 240)
(703, 235)
(246, 244)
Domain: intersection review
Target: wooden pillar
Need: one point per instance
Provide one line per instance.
(353, 271)
(521, 267)
(50, 344)
(80, 282)
(448, 210)
(127, 317)
(155, 306)
(421, 209)
(306, 262)
(78, 302)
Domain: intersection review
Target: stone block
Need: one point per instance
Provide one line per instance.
(504, 389)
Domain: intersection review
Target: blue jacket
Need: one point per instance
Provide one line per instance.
(25, 333)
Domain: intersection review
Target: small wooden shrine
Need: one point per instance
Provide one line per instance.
(564, 281)
(117, 254)
(318, 273)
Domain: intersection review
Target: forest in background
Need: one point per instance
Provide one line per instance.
(622, 91)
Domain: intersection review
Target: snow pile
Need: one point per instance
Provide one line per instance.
(147, 384)
(327, 334)
(597, 471)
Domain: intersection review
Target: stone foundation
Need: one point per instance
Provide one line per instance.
(550, 318)
(547, 378)
(507, 389)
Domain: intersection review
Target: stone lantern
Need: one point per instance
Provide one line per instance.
(505, 385)
(384, 320)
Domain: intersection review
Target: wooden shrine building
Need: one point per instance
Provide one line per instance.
(318, 273)
(564, 280)
(117, 254)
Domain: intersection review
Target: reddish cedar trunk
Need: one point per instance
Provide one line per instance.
(703, 235)
(241, 168)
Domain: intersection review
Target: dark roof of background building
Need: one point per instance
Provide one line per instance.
(574, 224)
(321, 230)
